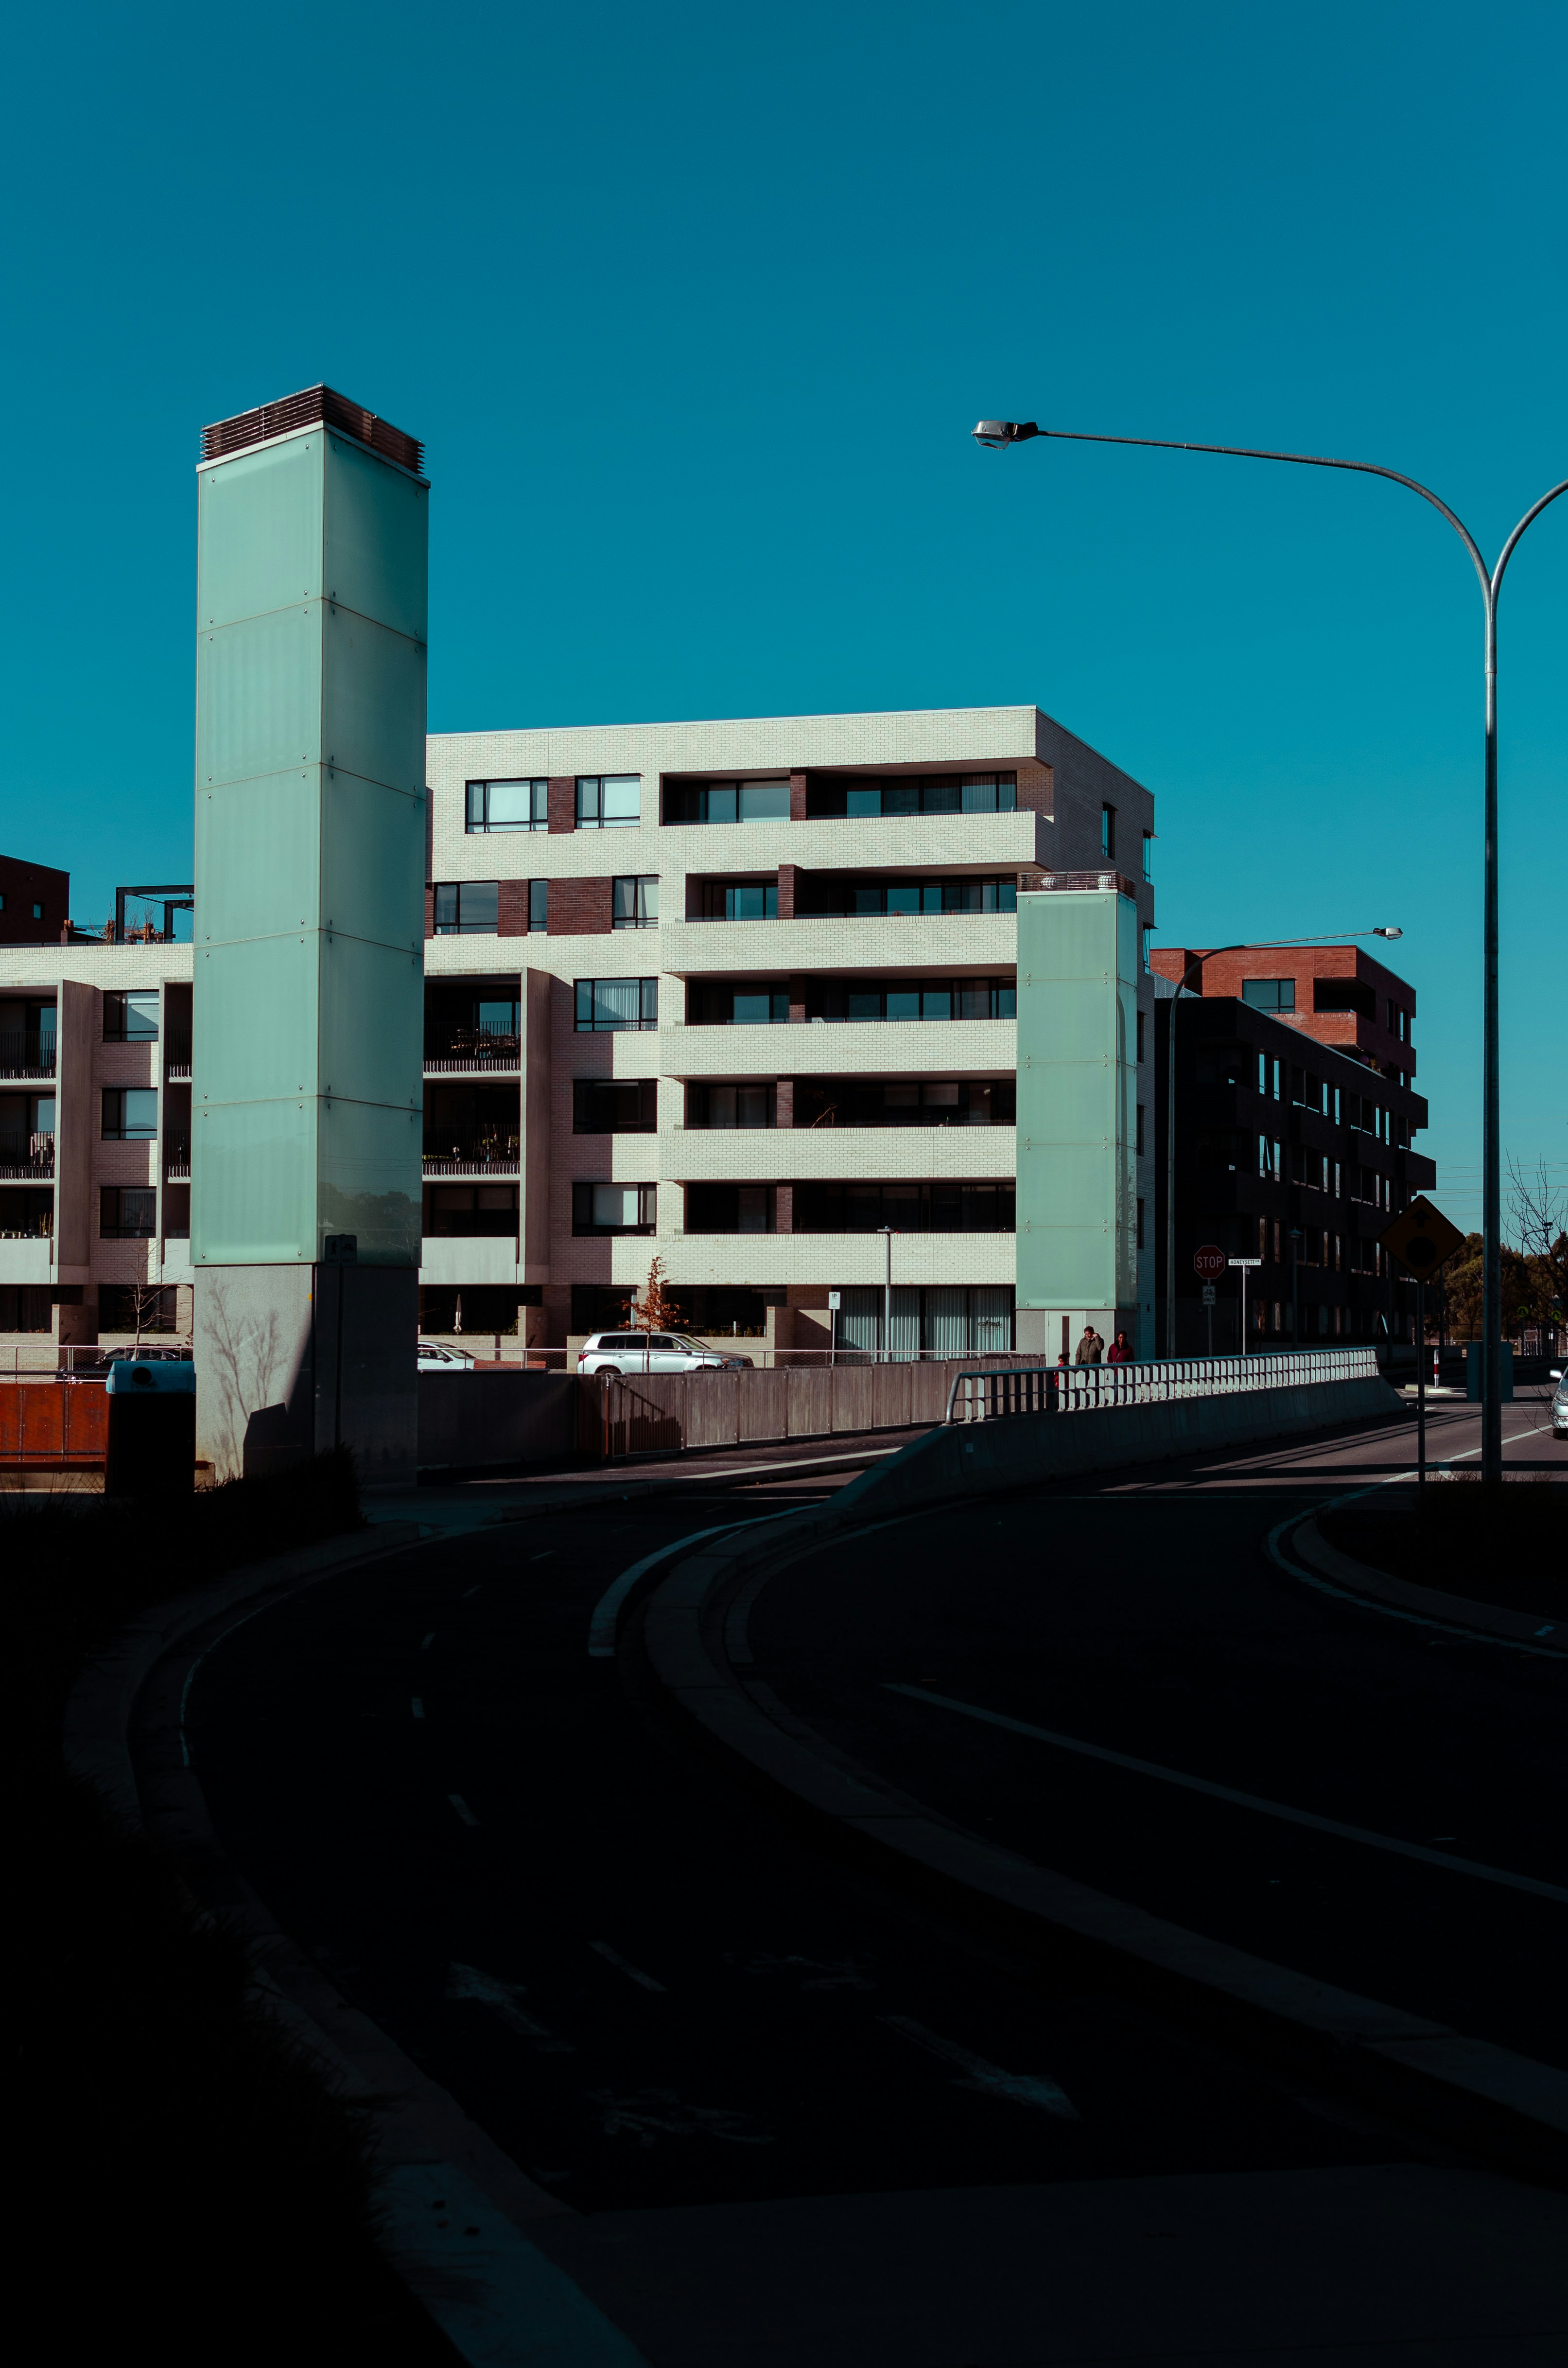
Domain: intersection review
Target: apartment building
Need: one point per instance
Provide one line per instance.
(744, 996)
(95, 1139)
(1296, 1120)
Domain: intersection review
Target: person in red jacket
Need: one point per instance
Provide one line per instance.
(1121, 1350)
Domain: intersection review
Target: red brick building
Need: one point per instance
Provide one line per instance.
(35, 903)
(1337, 994)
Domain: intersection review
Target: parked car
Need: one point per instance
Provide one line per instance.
(1560, 1403)
(435, 1358)
(651, 1352)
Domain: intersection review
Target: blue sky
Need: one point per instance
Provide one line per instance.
(694, 309)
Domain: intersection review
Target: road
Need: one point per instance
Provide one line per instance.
(671, 2009)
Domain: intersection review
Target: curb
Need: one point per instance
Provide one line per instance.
(455, 2210)
(1483, 2097)
(677, 1474)
(1461, 1612)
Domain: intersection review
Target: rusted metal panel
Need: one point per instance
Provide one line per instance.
(312, 405)
(53, 1426)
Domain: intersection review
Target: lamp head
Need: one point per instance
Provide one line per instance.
(1388, 933)
(995, 433)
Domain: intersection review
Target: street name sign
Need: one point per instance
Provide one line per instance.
(1208, 1263)
(1244, 1261)
(1421, 1238)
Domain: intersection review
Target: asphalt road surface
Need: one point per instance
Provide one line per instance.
(654, 1992)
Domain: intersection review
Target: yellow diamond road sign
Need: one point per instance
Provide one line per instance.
(1421, 1238)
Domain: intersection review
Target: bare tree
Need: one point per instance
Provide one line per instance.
(1538, 1208)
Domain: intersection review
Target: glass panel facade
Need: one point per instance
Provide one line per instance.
(634, 903)
(938, 1320)
(605, 1005)
(509, 805)
(466, 908)
(608, 800)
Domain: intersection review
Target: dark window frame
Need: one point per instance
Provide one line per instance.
(118, 1132)
(584, 1225)
(457, 925)
(639, 916)
(538, 807)
(704, 1202)
(647, 1006)
(117, 1009)
(538, 906)
(590, 801)
(587, 1120)
(699, 1104)
(114, 1228)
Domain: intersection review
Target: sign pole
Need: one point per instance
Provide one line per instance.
(1420, 1385)
(1241, 1343)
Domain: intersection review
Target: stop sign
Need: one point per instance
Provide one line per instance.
(1208, 1263)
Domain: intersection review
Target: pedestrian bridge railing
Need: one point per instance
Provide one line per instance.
(985, 1393)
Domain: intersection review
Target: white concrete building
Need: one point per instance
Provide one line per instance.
(737, 994)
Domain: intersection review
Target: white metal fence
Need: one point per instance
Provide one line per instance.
(985, 1393)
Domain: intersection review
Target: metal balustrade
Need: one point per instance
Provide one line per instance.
(28, 1157)
(986, 1394)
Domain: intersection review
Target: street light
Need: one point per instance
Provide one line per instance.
(994, 434)
(1254, 946)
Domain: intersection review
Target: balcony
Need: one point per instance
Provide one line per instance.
(177, 1158)
(26, 1053)
(27, 1158)
(177, 1055)
(455, 1051)
(488, 1154)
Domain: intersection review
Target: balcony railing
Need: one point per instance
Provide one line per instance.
(481, 1154)
(176, 1157)
(472, 1048)
(176, 1055)
(26, 1053)
(28, 1157)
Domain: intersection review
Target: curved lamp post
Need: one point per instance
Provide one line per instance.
(996, 433)
(1258, 946)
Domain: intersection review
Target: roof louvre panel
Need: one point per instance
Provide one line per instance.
(314, 406)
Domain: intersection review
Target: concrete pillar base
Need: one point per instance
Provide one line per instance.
(294, 1359)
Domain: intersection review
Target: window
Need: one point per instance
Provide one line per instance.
(1108, 833)
(1269, 993)
(1148, 948)
(1268, 1159)
(608, 800)
(125, 1212)
(539, 905)
(723, 1107)
(877, 1101)
(953, 998)
(25, 1307)
(130, 1114)
(740, 900)
(1139, 1053)
(467, 908)
(737, 1007)
(907, 1208)
(727, 802)
(465, 1031)
(864, 899)
(944, 793)
(1148, 855)
(29, 1216)
(728, 1208)
(615, 1105)
(509, 805)
(38, 912)
(118, 1310)
(605, 1005)
(634, 904)
(613, 1208)
(474, 1212)
(1140, 1142)
(131, 1018)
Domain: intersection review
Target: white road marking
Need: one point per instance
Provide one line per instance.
(488, 1989)
(1021, 2087)
(418, 1707)
(461, 1805)
(614, 1957)
(607, 1611)
(660, 2111)
(1242, 1800)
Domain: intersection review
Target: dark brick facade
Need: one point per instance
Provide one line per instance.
(562, 801)
(788, 875)
(429, 910)
(578, 908)
(23, 885)
(512, 908)
(797, 797)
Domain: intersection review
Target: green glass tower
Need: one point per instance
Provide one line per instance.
(308, 933)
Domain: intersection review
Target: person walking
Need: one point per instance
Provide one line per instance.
(1090, 1348)
(1121, 1350)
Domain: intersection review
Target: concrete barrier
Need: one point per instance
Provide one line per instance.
(480, 1419)
(981, 1458)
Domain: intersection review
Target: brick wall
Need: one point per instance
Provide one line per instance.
(788, 875)
(1036, 788)
(797, 797)
(512, 908)
(429, 910)
(783, 1208)
(578, 908)
(563, 802)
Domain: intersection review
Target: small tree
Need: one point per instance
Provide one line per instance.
(656, 1311)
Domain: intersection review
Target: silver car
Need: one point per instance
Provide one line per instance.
(1560, 1405)
(651, 1352)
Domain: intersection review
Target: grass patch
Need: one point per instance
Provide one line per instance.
(192, 2180)
(1496, 1542)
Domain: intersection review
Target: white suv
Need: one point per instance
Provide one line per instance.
(650, 1352)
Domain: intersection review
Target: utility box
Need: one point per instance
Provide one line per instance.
(152, 1428)
(1473, 1370)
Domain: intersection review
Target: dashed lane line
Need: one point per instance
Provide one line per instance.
(461, 1805)
(1035, 2088)
(624, 1965)
(1450, 1865)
